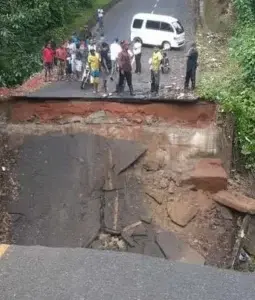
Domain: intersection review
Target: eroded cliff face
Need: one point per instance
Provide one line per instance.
(218, 15)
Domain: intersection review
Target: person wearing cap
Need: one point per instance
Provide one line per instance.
(155, 65)
(192, 57)
(125, 68)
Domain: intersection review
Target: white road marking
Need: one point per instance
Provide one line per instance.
(155, 5)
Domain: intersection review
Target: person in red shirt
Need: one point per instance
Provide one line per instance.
(48, 58)
(61, 55)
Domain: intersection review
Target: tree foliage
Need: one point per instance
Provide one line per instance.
(234, 87)
(25, 25)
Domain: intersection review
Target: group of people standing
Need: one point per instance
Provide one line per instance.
(109, 61)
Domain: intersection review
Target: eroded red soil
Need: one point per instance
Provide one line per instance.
(195, 115)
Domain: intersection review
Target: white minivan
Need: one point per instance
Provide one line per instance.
(157, 30)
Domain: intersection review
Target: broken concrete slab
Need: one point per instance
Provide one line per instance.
(208, 175)
(125, 154)
(177, 250)
(140, 230)
(146, 218)
(129, 230)
(112, 210)
(60, 196)
(128, 239)
(236, 201)
(152, 249)
(182, 212)
(123, 207)
(111, 182)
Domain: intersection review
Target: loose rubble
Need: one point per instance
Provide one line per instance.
(236, 201)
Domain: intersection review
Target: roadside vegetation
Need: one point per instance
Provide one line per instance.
(228, 71)
(26, 25)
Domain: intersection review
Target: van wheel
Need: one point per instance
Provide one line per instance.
(138, 39)
(166, 46)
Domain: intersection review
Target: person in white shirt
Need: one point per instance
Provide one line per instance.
(72, 50)
(137, 50)
(115, 49)
(100, 16)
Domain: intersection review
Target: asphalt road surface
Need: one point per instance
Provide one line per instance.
(117, 24)
(82, 274)
(62, 180)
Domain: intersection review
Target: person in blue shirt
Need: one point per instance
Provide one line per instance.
(75, 39)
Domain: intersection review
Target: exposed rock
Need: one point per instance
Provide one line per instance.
(108, 242)
(249, 241)
(182, 212)
(208, 175)
(96, 117)
(151, 164)
(236, 201)
(164, 183)
(137, 120)
(150, 120)
(176, 249)
(156, 195)
(154, 162)
(225, 212)
(171, 187)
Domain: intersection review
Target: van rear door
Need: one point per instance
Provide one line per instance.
(180, 34)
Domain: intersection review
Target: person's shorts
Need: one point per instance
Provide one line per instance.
(95, 76)
(48, 65)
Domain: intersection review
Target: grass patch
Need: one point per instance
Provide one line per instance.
(226, 74)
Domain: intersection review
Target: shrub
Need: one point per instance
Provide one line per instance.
(25, 25)
(234, 85)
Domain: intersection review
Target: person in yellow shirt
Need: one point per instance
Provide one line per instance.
(155, 65)
(94, 65)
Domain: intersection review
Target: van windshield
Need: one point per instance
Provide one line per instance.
(178, 27)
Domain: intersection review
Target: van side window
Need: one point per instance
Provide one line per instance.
(137, 23)
(166, 27)
(153, 25)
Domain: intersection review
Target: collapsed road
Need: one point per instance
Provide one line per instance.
(135, 178)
